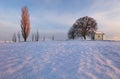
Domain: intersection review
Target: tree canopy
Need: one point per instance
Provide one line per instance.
(83, 28)
(25, 23)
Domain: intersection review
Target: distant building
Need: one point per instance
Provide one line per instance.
(97, 35)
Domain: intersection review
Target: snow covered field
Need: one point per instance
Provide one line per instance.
(60, 60)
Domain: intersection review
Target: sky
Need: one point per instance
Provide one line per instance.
(56, 17)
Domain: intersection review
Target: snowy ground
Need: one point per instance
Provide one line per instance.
(60, 60)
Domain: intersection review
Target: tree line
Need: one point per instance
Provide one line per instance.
(82, 28)
(25, 28)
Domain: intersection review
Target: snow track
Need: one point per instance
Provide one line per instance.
(60, 60)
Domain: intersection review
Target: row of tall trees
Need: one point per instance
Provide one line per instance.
(14, 38)
(25, 26)
(34, 37)
(17, 37)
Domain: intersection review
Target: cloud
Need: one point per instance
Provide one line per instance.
(62, 19)
(107, 15)
(9, 23)
(105, 12)
(49, 18)
(51, 1)
(59, 19)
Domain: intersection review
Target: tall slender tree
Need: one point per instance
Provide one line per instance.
(14, 39)
(18, 36)
(25, 23)
(44, 38)
(37, 36)
(33, 37)
(53, 37)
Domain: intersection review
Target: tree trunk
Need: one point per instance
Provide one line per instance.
(84, 37)
(25, 39)
(73, 37)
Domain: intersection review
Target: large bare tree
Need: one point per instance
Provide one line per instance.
(82, 27)
(25, 23)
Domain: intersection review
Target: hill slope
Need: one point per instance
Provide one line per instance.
(60, 60)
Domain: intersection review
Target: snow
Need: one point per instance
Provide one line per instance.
(98, 32)
(60, 60)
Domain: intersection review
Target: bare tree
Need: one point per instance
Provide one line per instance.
(18, 36)
(44, 38)
(37, 36)
(14, 39)
(25, 23)
(53, 37)
(71, 33)
(82, 27)
(33, 37)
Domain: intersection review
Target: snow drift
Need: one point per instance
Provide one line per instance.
(60, 60)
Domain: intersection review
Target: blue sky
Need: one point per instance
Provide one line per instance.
(55, 17)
